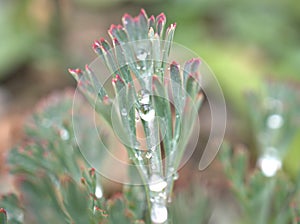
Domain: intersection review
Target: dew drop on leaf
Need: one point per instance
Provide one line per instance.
(98, 192)
(156, 183)
(148, 155)
(275, 121)
(124, 112)
(142, 54)
(269, 164)
(159, 213)
(144, 97)
(64, 134)
(146, 112)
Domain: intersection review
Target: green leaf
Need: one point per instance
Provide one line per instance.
(74, 200)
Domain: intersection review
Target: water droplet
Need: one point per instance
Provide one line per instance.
(162, 195)
(139, 156)
(159, 213)
(144, 96)
(175, 176)
(98, 192)
(146, 111)
(173, 173)
(269, 164)
(144, 68)
(148, 155)
(156, 183)
(142, 54)
(138, 67)
(148, 114)
(137, 145)
(124, 112)
(275, 121)
(64, 134)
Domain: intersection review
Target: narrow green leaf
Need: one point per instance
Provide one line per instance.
(167, 44)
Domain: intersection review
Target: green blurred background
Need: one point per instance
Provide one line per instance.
(244, 43)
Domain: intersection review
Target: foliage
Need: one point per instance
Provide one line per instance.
(261, 199)
(146, 86)
(56, 184)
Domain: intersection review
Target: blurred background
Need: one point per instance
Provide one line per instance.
(244, 42)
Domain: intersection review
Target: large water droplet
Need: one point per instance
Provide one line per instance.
(142, 54)
(159, 213)
(156, 183)
(269, 164)
(98, 192)
(64, 134)
(124, 112)
(275, 121)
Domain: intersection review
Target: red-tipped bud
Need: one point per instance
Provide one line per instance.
(174, 63)
(151, 21)
(160, 25)
(2, 210)
(171, 27)
(75, 71)
(96, 44)
(116, 42)
(126, 16)
(117, 79)
(92, 172)
(112, 29)
(106, 99)
(143, 13)
(161, 17)
(87, 68)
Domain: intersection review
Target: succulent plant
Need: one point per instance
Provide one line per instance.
(149, 90)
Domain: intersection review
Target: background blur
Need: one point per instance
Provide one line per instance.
(244, 42)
